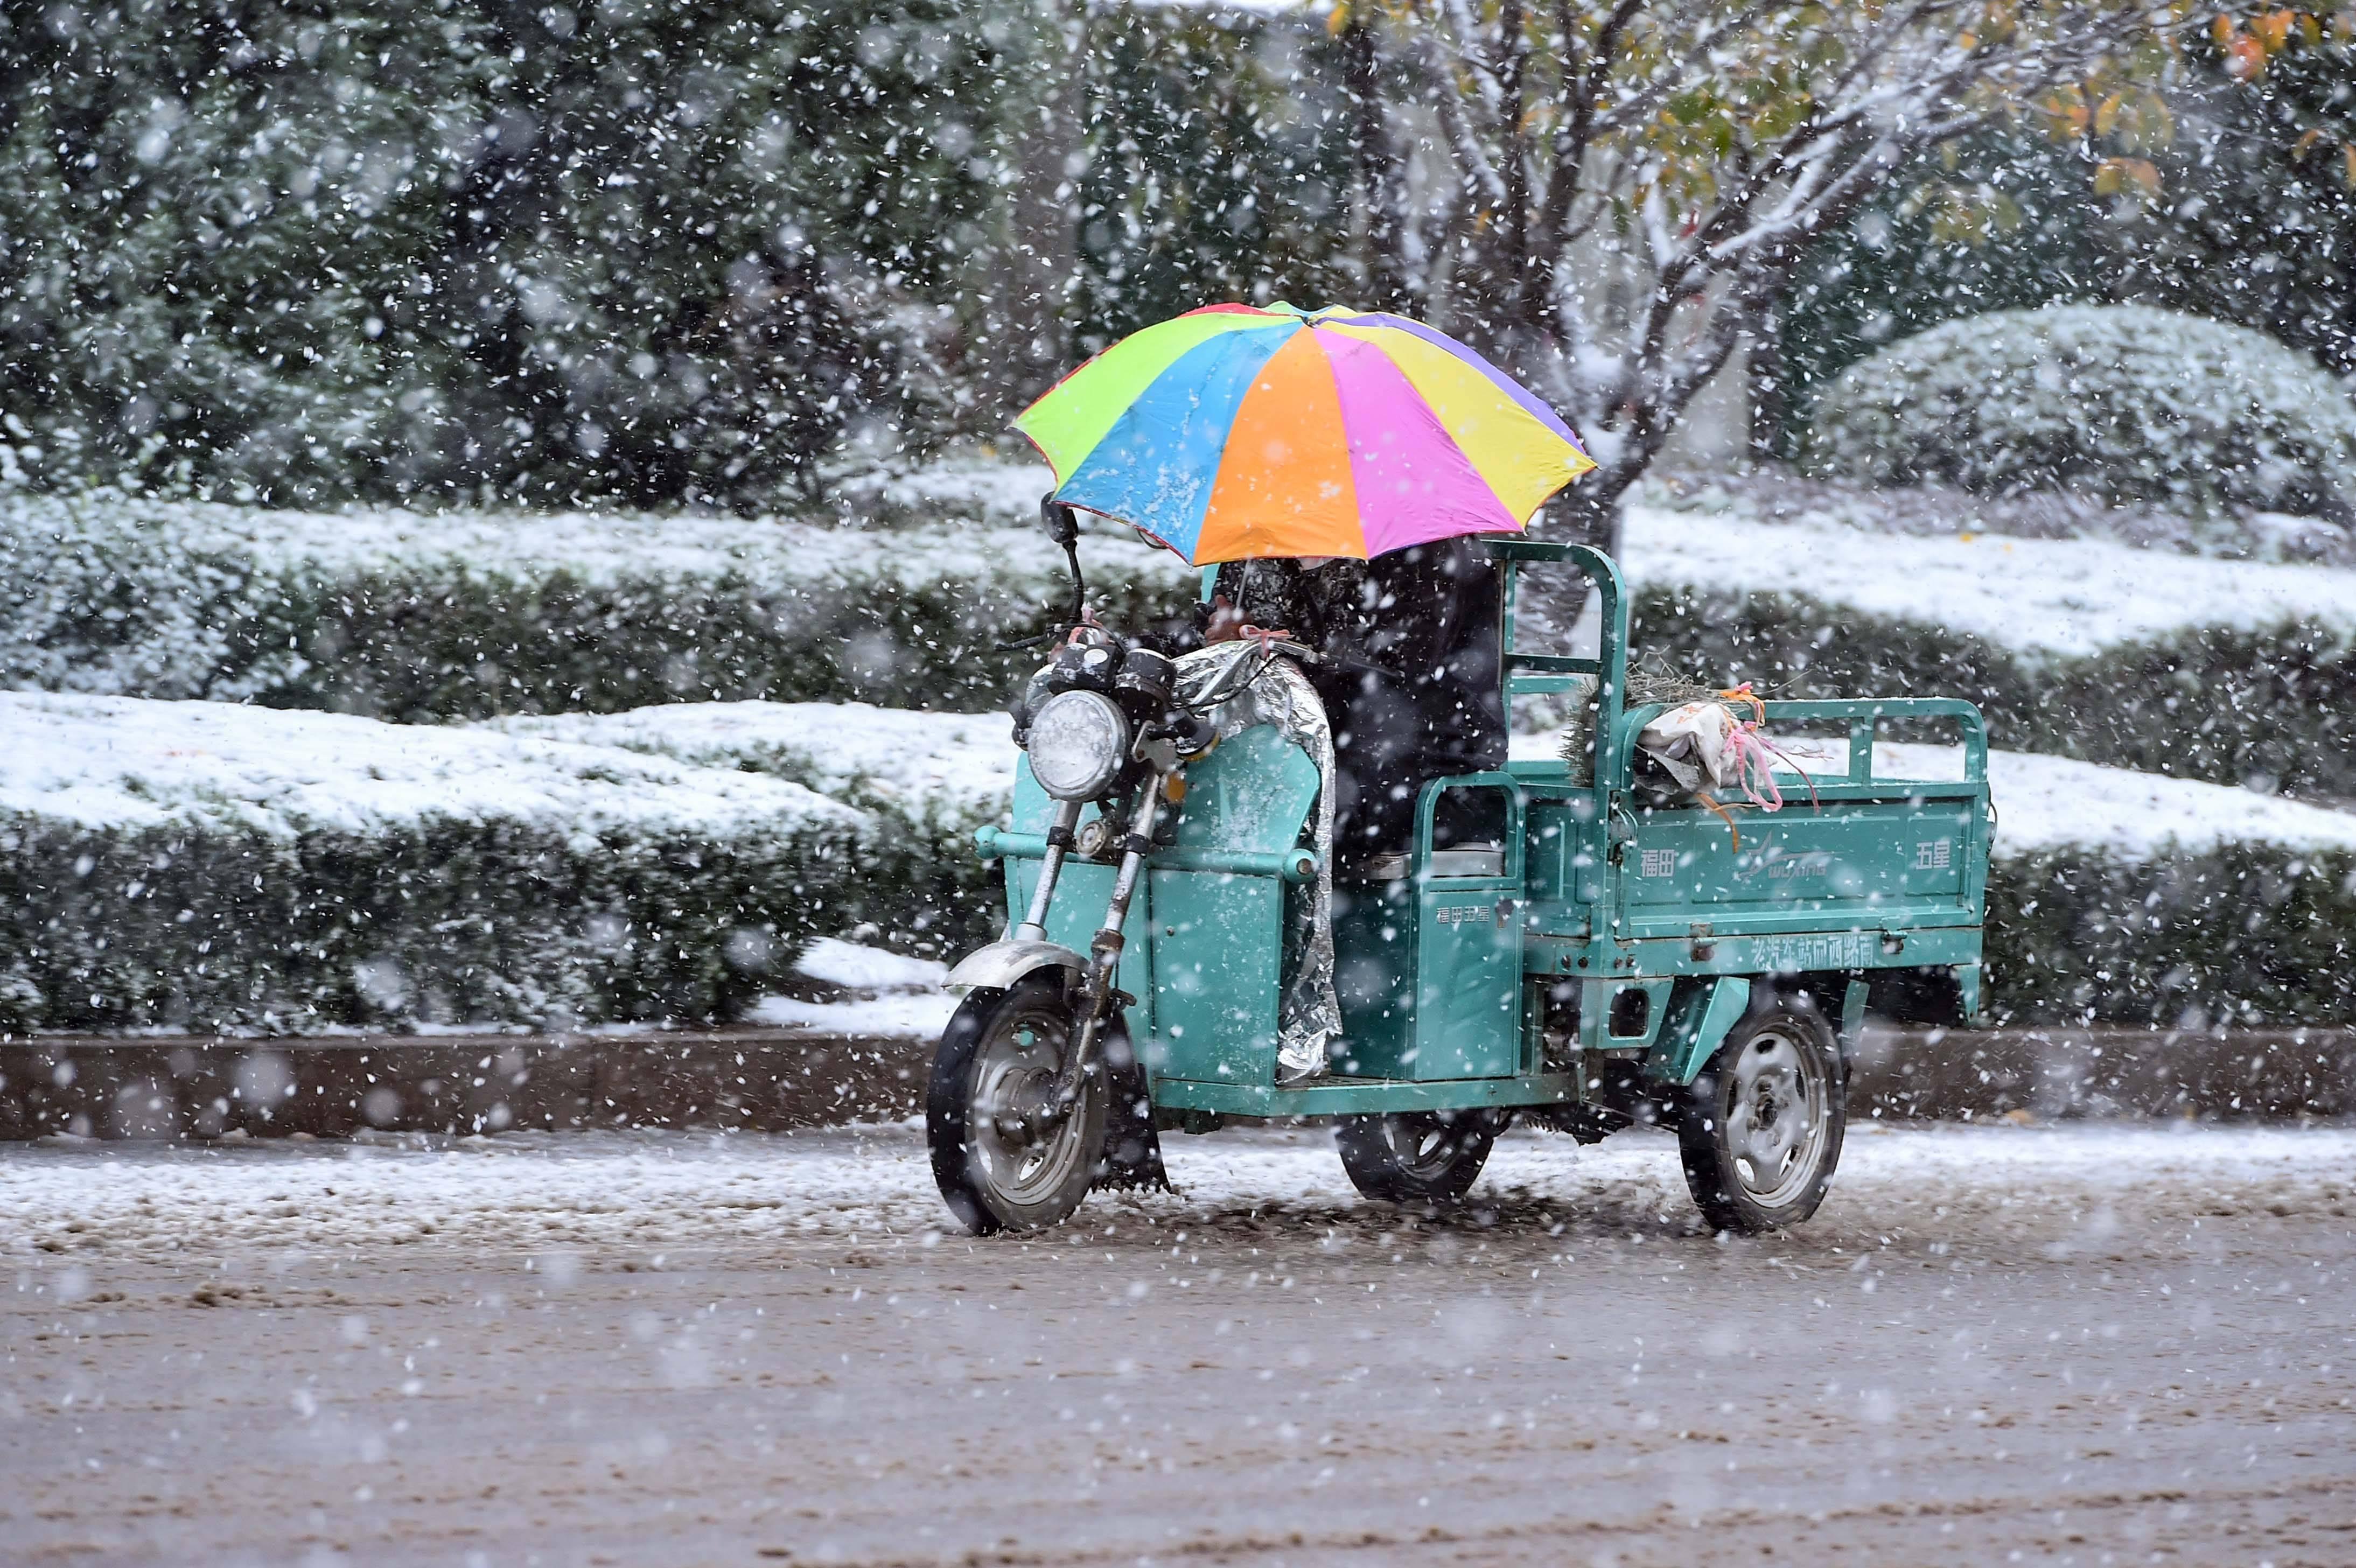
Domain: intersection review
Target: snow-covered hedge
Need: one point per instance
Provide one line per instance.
(2217, 669)
(2123, 897)
(216, 866)
(2124, 402)
(2267, 707)
(423, 616)
(925, 780)
(2238, 933)
(208, 865)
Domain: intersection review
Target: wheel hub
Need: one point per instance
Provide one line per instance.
(1776, 1119)
(1023, 1132)
(1030, 1111)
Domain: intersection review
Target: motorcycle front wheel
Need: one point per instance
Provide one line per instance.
(1002, 1161)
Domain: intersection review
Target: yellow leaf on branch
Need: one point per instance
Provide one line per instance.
(2114, 175)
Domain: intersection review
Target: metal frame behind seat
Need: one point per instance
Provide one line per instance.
(1548, 674)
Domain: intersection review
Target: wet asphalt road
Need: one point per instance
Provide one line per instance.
(2044, 1346)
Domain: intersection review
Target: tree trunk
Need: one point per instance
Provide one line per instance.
(1038, 257)
(1771, 404)
(1376, 169)
(1588, 512)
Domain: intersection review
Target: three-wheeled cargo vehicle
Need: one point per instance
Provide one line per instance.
(1619, 952)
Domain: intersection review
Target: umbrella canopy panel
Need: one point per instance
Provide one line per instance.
(1233, 433)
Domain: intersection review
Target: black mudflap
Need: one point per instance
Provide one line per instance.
(1132, 1149)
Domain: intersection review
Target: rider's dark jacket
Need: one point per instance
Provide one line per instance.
(1411, 685)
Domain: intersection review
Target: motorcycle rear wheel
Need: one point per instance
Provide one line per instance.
(1430, 1157)
(1760, 1129)
(1000, 1164)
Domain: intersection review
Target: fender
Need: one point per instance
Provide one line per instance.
(1695, 1032)
(1001, 964)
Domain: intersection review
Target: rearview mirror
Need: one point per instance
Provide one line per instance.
(1062, 523)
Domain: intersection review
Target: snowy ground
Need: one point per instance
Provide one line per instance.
(2054, 1345)
(524, 1190)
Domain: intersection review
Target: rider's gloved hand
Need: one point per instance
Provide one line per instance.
(1225, 623)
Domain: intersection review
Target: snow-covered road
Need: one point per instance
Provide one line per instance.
(2074, 1344)
(521, 1193)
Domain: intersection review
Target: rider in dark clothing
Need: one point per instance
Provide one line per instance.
(1411, 641)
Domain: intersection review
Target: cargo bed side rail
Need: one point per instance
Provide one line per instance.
(1862, 714)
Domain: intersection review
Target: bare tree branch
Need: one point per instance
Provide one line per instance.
(1637, 180)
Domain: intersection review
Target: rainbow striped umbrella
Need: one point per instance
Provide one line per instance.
(1233, 433)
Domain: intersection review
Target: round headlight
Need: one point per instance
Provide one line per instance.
(1079, 742)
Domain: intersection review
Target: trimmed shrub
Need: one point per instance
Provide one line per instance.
(927, 781)
(444, 921)
(2240, 934)
(474, 616)
(411, 618)
(208, 866)
(2275, 709)
(2126, 402)
(273, 881)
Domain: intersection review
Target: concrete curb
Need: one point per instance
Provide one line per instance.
(335, 1085)
(767, 1079)
(2273, 1074)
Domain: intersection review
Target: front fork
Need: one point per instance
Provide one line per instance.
(1099, 996)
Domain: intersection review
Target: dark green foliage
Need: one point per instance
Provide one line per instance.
(2241, 933)
(2258, 220)
(313, 251)
(468, 923)
(2275, 709)
(2002, 220)
(408, 648)
(109, 599)
(444, 921)
(1217, 169)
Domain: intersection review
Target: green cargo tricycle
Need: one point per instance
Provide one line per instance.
(1619, 954)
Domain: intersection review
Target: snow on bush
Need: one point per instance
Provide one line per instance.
(2125, 401)
(2086, 647)
(410, 615)
(211, 866)
(928, 780)
(2044, 598)
(926, 766)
